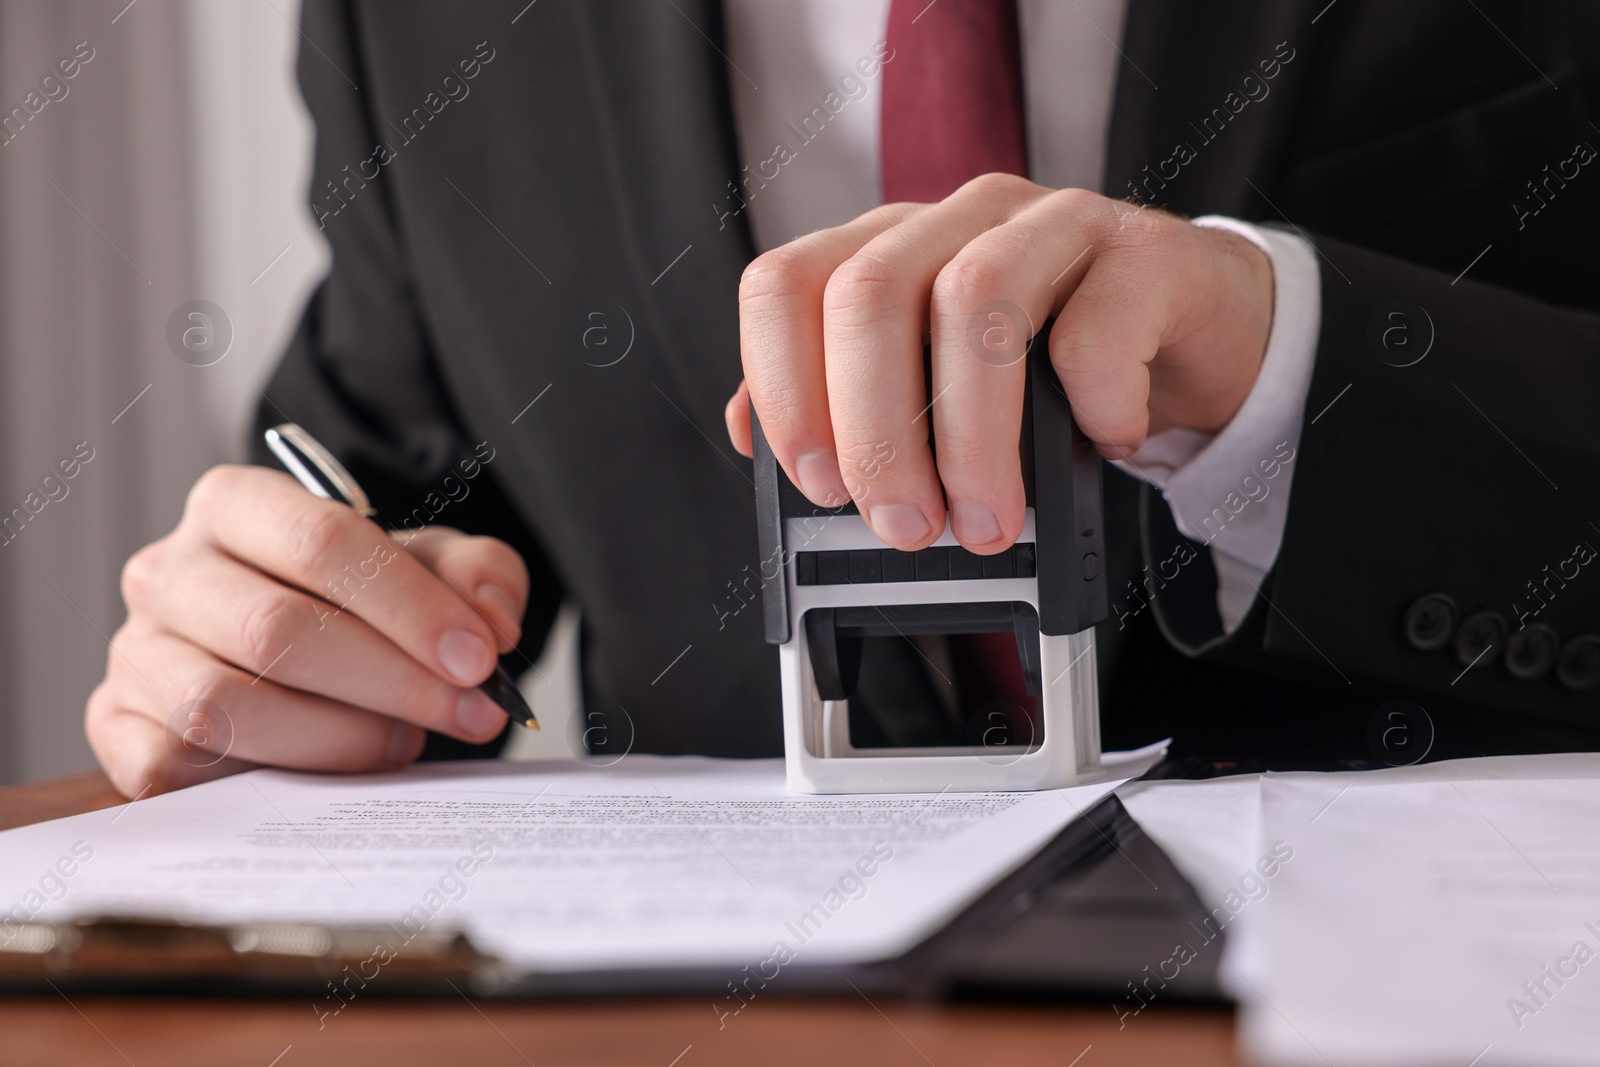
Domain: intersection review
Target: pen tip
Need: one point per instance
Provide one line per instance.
(504, 692)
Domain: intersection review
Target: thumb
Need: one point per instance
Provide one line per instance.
(737, 414)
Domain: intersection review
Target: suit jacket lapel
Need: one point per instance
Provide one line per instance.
(660, 84)
(1197, 141)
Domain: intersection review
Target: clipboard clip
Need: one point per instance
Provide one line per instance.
(119, 951)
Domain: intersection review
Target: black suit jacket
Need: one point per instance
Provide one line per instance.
(521, 229)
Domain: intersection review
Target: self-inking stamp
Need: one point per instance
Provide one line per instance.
(842, 589)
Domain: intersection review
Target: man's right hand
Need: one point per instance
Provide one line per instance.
(276, 628)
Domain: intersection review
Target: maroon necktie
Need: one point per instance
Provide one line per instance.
(952, 97)
(952, 110)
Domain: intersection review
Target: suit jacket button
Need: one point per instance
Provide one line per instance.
(1531, 652)
(1580, 663)
(1430, 622)
(1482, 638)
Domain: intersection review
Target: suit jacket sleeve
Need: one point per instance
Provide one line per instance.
(1449, 452)
(361, 373)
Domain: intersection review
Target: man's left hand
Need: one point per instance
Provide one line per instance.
(1159, 323)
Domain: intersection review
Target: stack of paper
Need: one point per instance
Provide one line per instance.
(1442, 914)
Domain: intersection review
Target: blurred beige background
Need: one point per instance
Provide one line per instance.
(174, 167)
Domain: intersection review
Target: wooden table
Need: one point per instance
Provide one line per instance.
(173, 1032)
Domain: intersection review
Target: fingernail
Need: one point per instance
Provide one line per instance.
(402, 742)
(500, 598)
(898, 524)
(477, 715)
(820, 481)
(465, 656)
(973, 524)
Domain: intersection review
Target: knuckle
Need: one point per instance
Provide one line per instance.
(314, 537)
(868, 464)
(139, 575)
(210, 684)
(898, 211)
(782, 415)
(1081, 201)
(1101, 215)
(864, 283)
(267, 625)
(121, 640)
(98, 709)
(872, 459)
(1128, 227)
(996, 185)
(964, 454)
(214, 486)
(967, 281)
(776, 275)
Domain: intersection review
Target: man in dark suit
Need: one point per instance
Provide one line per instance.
(497, 185)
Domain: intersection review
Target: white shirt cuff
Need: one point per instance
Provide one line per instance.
(1230, 490)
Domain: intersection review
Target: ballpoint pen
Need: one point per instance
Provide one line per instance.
(314, 467)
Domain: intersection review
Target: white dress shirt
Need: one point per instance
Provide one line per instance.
(789, 55)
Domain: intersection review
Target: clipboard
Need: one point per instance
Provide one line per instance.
(1087, 916)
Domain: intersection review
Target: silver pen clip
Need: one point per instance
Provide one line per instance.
(316, 468)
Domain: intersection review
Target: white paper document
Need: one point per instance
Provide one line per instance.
(1211, 830)
(655, 862)
(1443, 914)
(1434, 922)
(1447, 913)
